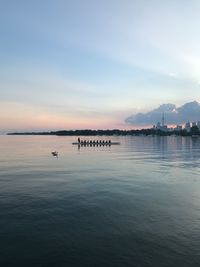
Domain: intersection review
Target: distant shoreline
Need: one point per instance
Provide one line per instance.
(114, 132)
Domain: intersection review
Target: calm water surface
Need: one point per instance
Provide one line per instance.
(137, 204)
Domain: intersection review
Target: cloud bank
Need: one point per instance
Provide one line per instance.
(173, 115)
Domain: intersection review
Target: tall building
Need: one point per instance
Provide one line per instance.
(162, 126)
(198, 124)
(163, 120)
(187, 126)
(158, 125)
(194, 124)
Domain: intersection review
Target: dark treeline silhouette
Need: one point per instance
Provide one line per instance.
(194, 131)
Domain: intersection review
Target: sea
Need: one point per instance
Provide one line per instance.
(133, 204)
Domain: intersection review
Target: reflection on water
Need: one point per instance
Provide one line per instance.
(137, 204)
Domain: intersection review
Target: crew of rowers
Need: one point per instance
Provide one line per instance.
(93, 142)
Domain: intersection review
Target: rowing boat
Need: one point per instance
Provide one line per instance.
(96, 144)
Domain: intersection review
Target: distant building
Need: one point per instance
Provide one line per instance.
(178, 128)
(162, 126)
(163, 120)
(158, 125)
(171, 129)
(187, 126)
(194, 124)
(198, 124)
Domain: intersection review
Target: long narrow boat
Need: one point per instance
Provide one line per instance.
(96, 144)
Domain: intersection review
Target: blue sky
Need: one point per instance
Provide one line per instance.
(91, 64)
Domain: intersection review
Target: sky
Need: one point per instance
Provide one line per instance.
(93, 63)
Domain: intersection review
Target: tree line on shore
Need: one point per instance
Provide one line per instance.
(87, 132)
